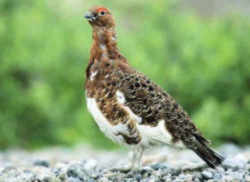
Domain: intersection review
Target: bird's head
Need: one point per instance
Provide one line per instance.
(100, 17)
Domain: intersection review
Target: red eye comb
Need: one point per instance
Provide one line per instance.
(102, 9)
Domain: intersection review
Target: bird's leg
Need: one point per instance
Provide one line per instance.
(132, 161)
(140, 154)
(135, 161)
(133, 158)
(136, 158)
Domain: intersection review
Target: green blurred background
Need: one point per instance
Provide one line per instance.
(201, 57)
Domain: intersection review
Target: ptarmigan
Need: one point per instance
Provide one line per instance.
(128, 107)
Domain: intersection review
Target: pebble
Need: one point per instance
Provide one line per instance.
(235, 163)
(158, 166)
(71, 179)
(247, 178)
(207, 174)
(90, 164)
(234, 168)
(41, 163)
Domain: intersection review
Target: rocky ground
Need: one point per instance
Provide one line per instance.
(84, 164)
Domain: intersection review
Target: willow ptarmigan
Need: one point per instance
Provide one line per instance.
(128, 107)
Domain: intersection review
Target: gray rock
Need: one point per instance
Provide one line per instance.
(90, 180)
(76, 171)
(234, 168)
(247, 178)
(217, 176)
(207, 175)
(248, 167)
(44, 174)
(41, 163)
(90, 164)
(71, 179)
(235, 163)
(158, 166)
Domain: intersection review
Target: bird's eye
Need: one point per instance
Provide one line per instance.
(102, 13)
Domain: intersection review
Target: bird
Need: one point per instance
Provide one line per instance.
(128, 107)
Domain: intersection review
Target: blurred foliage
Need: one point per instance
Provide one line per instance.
(44, 49)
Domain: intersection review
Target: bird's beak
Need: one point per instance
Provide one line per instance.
(89, 16)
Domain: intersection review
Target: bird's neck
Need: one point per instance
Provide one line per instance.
(104, 44)
(104, 49)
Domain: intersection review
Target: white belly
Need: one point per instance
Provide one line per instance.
(149, 135)
(157, 135)
(109, 130)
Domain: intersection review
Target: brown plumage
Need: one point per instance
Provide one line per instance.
(127, 106)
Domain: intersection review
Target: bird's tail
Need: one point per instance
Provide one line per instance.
(211, 157)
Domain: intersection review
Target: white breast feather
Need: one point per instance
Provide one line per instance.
(92, 75)
(121, 100)
(103, 47)
(102, 122)
(120, 97)
(158, 134)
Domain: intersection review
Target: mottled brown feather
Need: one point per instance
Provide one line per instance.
(142, 96)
